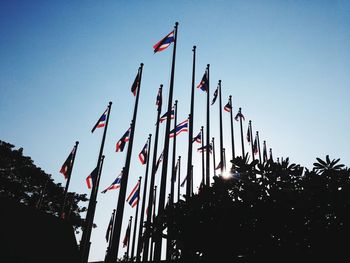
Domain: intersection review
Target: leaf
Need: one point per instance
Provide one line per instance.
(321, 161)
(327, 159)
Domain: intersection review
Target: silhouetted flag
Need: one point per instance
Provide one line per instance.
(91, 179)
(198, 138)
(264, 152)
(203, 85)
(164, 43)
(204, 148)
(121, 143)
(127, 236)
(115, 184)
(158, 162)
(183, 182)
(109, 228)
(164, 116)
(133, 197)
(101, 121)
(218, 166)
(215, 96)
(143, 154)
(136, 84)
(228, 107)
(67, 164)
(159, 100)
(173, 179)
(248, 134)
(255, 146)
(181, 127)
(239, 115)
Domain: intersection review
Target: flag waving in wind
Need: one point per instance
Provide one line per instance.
(255, 146)
(91, 179)
(239, 115)
(198, 138)
(101, 121)
(160, 158)
(115, 184)
(164, 43)
(215, 96)
(133, 197)
(127, 236)
(228, 107)
(136, 84)
(144, 153)
(248, 134)
(159, 99)
(121, 143)
(67, 164)
(181, 127)
(165, 115)
(203, 85)
(109, 228)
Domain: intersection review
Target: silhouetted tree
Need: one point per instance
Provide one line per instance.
(22, 181)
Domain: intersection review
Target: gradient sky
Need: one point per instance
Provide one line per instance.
(286, 63)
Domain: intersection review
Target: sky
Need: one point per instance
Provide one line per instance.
(285, 63)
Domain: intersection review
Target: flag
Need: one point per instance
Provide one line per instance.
(264, 152)
(144, 153)
(164, 116)
(183, 182)
(204, 148)
(173, 179)
(218, 166)
(198, 138)
(91, 179)
(67, 164)
(158, 161)
(133, 197)
(255, 146)
(136, 84)
(127, 235)
(121, 143)
(159, 99)
(271, 159)
(101, 121)
(215, 96)
(239, 115)
(109, 228)
(164, 43)
(203, 85)
(228, 107)
(248, 134)
(115, 184)
(181, 127)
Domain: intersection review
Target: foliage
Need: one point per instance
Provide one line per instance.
(22, 181)
(269, 211)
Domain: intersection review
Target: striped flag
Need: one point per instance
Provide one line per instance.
(67, 164)
(101, 121)
(115, 184)
(239, 115)
(165, 115)
(204, 148)
(121, 143)
(135, 84)
(109, 228)
(215, 96)
(158, 162)
(133, 197)
(248, 134)
(203, 85)
(228, 107)
(127, 236)
(198, 138)
(91, 179)
(164, 43)
(159, 99)
(181, 127)
(144, 153)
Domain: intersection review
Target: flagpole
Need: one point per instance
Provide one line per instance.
(69, 172)
(124, 179)
(203, 165)
(109, 240)
(232, 137)
(158, 244)
(257, 137)
(221, 133)
(153, 209)
(224, 158)
(271, 158)
(171, 197)
(85, 240)
(178, 182)
(128, 234)
(135, 222)
(191, 119)
(264, 151)
(214, 162)
(240, 122)
(251, 139)
(140, 238)
(151, 187)
(207, 172)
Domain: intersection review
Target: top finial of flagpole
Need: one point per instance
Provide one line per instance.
(161, 86)
(150, 135)
(208, 65)
(76, 143)
(194, 48)
(176, 24)
(110, 103)
(141, 65)
(257, 133)
(102, 157)
(230, 97)
(219, 81)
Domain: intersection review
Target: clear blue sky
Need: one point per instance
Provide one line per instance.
(286, 63)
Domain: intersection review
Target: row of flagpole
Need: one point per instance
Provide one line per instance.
(114, 228)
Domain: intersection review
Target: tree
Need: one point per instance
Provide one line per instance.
(22, 181)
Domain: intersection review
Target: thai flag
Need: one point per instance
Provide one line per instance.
(101, 121)
(67, 164)
(198, 138)
(215, 96)
(239, 115)
(160, 158)
(203, 85)
(133, 197)
(136, 84)
(228, 107)
(181, 127)
(204, 148)
(248, 134)
(159, 99)
(115, 184)
(91, 179)
(127, 236)
(255, 146)
(143, 154)
(164, 116)
(219, 166)
(121, 143)
(165, 42)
